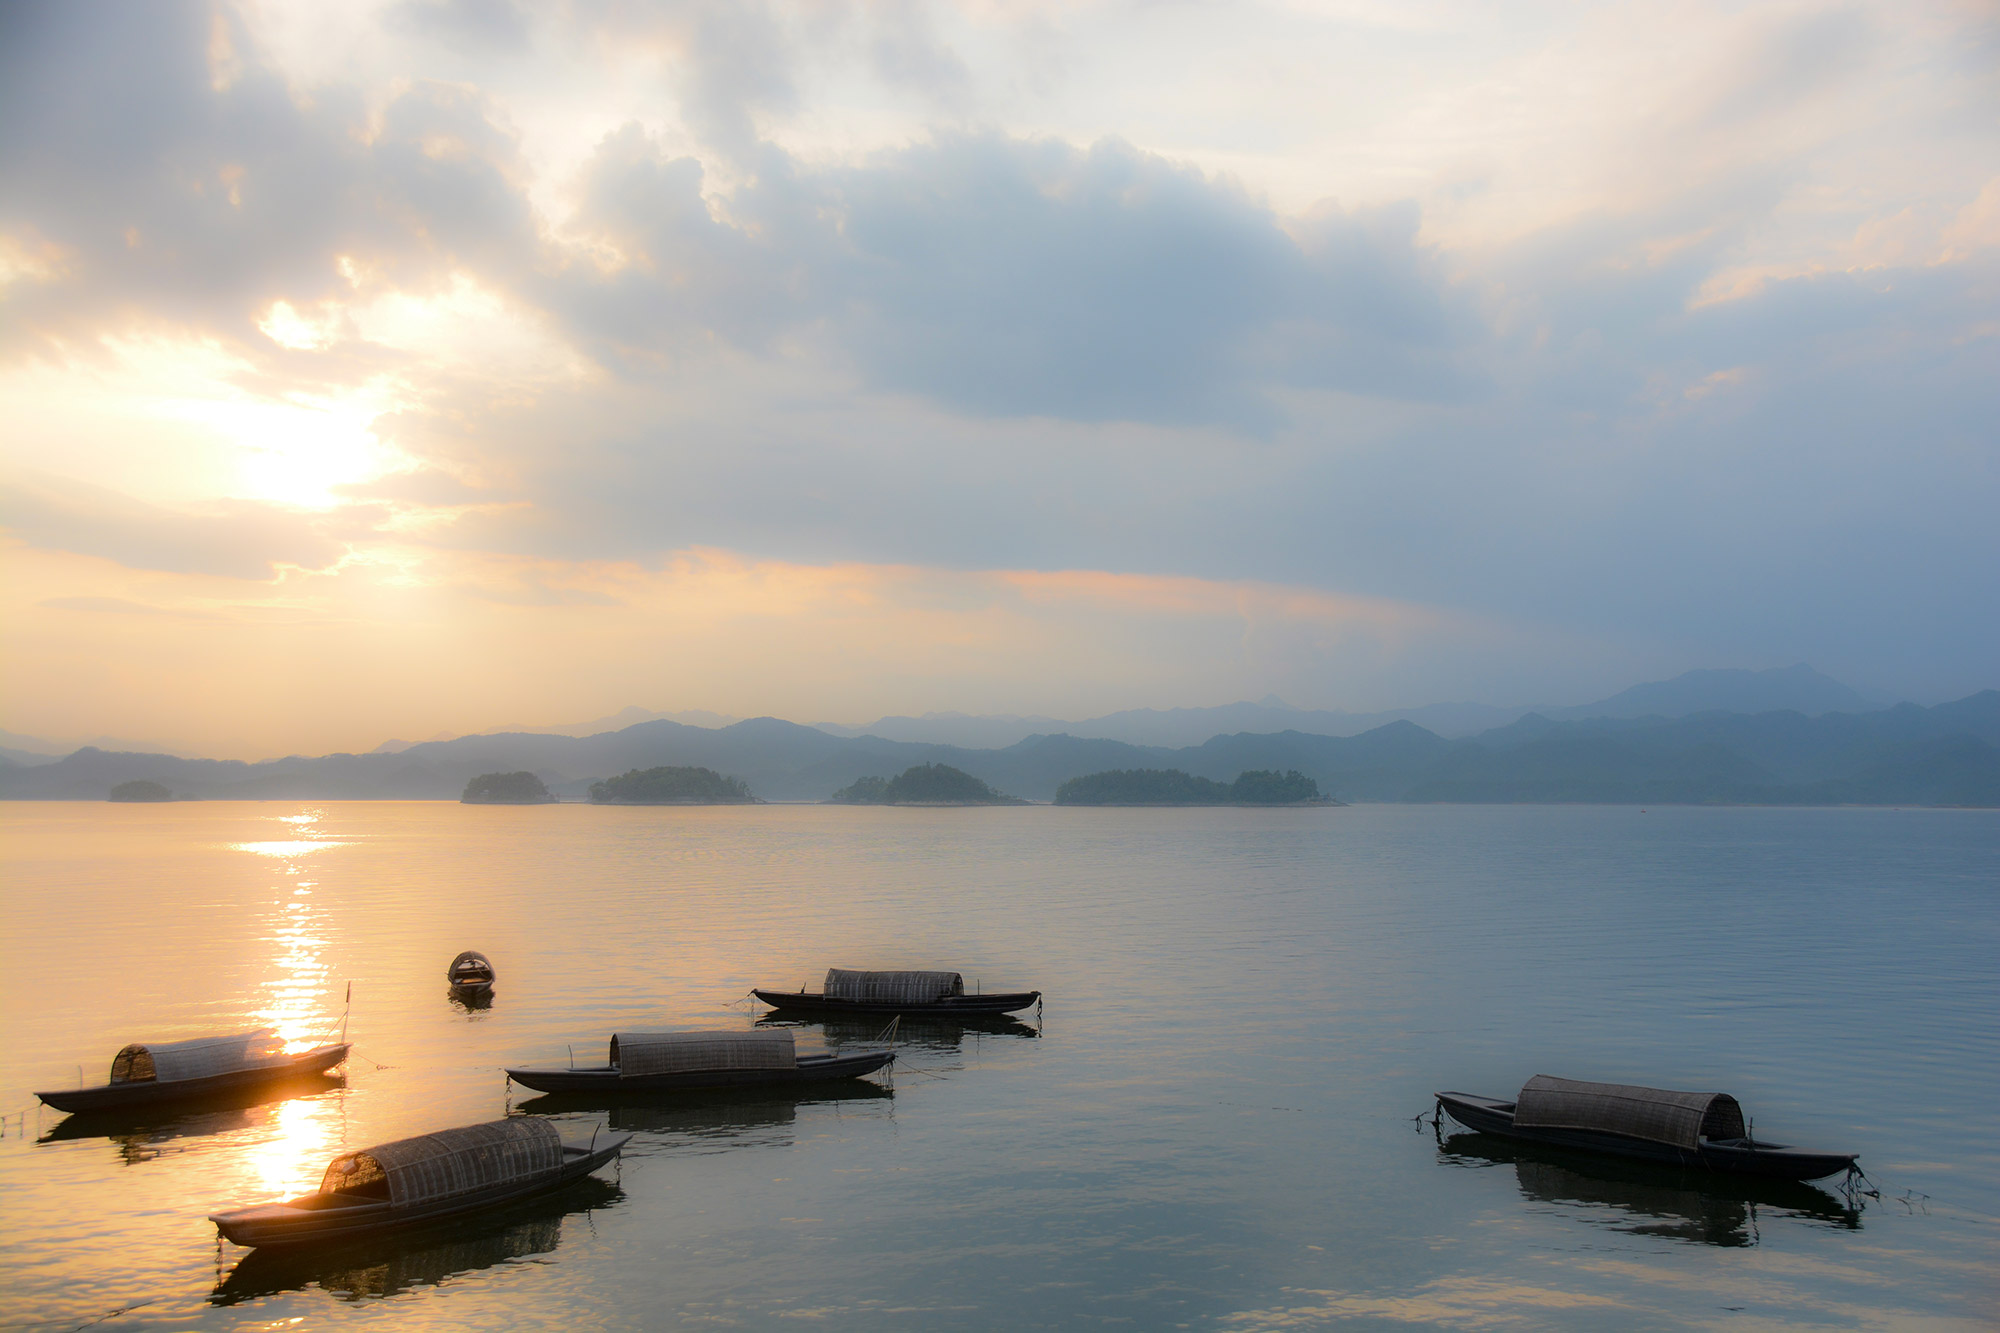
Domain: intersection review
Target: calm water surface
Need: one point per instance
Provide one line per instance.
(1207, 1126)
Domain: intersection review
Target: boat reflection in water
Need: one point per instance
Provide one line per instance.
(1702, 1207)
(468, 1001)
(925, 1033)
(138, 1133)
(387, 1265)
(713, 1120)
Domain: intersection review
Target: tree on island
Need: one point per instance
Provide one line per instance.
(506, 789)
(139, 789)
(926, 784)
(672, 786)
(1170, 786)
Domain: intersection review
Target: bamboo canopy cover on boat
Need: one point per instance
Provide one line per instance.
(639, 1054)
(518, 1150)
(892, 987)
(173, 1061)
(1682, 1119)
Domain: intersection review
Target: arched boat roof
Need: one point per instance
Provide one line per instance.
(892, 987)
(202, 1057)
(1657, 1115)
(641, 1053)
(471, 956)
(450, 1162)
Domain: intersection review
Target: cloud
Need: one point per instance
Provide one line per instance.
(1014, 278)
(121, 606)
(1703, 368)
(239, 540)
(183, 183)
(489, 24)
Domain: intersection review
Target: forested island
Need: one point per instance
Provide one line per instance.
(140, 789)
(672, 786)
(925, 784)
(1170, 786)
(506, 789)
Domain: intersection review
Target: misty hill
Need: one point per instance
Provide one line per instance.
(506, 789)
(923, 784)
(672, 785)
(1170, 786)
(1947, 755)
(1798, 689)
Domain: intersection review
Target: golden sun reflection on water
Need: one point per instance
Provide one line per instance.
(302, 1136)
(296, 1002)
(285, 850)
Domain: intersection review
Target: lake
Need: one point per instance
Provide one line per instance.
(1207, 1125)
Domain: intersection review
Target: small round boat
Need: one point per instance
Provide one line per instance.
(471, 973)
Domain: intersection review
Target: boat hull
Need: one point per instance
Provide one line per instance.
(276, 1226)
(607, 1079)
(125, 1096)
(1741, 1156)
(958, 1006)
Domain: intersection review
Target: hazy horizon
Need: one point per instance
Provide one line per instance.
(1459, 718)
(420, 366)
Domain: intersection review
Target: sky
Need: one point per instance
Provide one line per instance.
(387, 369)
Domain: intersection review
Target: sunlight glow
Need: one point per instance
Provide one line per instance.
(304, 1134)
(297, 451)
(285, 850)
(285, 326)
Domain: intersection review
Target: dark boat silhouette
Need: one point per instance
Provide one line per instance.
(657, 1062)
(911, 994)
(470, 974)
(158, 1073)
(426, 1256)
(192, 1117)
(471, 1169)
(1693, 1129)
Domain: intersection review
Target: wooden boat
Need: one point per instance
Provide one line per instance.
(374, 1266)
(1693, 1129)
(940, 994)
(471, 973)
(471, 1169)
(155, 1073)
(214, 1113)
(650, 1062)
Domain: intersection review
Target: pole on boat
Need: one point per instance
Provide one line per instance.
(346, 1005)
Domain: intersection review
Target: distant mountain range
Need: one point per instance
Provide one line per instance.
(1799, 688)
(1906, 755)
